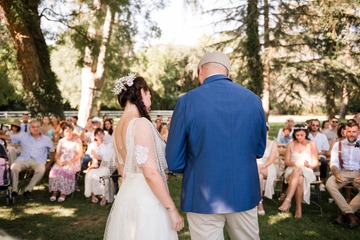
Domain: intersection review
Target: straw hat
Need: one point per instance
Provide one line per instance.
(16, 122)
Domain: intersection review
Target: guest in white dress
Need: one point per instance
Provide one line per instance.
(97, 178)
(267, 171)
(143, 208)
(301, 158)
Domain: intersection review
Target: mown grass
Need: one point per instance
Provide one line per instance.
(78, 218)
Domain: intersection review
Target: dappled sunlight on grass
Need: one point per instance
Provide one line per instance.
(184, 235)
(55, 211)
(312, 233)
(7, 213)
(274, 219)
(39, 188)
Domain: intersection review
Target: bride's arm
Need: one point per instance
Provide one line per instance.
(158, 187)
(146, 158)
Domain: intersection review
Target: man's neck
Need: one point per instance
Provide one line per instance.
(37, 136)
(314, 133)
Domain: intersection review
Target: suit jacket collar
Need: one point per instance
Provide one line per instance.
(216, 77)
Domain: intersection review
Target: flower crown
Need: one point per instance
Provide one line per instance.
(122, 83)
(304, 127)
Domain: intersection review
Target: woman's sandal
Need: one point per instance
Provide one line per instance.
(94, 199)
(103, 202)
(285, 209)
(61, 198)
(52, 198)
(261, 212)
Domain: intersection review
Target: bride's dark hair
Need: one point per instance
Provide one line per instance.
(133, 95)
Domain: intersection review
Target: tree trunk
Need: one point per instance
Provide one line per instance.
(33, 59)
(253, 48)
(266, 63)
(94, 66)
(347, 62)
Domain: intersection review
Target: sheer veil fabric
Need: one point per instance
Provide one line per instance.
(136, 212)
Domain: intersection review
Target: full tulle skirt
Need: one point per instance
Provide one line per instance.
(137, 214)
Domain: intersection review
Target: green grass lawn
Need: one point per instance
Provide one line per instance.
(78, 218)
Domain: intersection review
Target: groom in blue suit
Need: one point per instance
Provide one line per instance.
(217, 132)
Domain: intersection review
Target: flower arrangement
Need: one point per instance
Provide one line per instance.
(122, 83)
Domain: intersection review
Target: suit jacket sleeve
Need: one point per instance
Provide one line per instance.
(263, 136)
(176, 144)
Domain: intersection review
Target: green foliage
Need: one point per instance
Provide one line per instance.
(67, 70)
(313, 48)
(169, 70)
(10, 78)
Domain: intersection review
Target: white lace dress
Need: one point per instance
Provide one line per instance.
(308, 173)
(97, 180)
(136, 212)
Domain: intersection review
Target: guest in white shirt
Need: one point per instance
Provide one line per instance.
(323, 147)
(345, 165)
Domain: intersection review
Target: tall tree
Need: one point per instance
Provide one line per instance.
(94, 62)
(253, 48)
(103, 32)
(266, 62)
(329, 30)
(33, 61)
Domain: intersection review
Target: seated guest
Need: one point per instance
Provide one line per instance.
(67, 164)
(108, 126)
(164, 131)
(288, 124)
(267, 171)
(301, 158)
(331, 131)
(34, 149)
(46, 128)
(325, 125)
(25, 123)
(322, 146)
(344, 163)
(87, 136)
(77, 128)
(341, 135)
(56, 135)
(13, 149)
(285, 139)
(103, 165)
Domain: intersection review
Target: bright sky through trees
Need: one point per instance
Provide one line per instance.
(181, 26)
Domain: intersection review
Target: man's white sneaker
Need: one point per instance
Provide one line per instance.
(322, 187)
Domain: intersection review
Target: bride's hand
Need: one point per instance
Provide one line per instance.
(177, 220)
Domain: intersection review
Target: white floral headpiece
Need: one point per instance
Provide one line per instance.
(304, 127)
(123, 82)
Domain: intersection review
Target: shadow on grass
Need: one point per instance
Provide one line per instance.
(78, 218)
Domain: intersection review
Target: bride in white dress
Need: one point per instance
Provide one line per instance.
(143, 208)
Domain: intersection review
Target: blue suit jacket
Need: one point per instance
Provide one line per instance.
(217, 131)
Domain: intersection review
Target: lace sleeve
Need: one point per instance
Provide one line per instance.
(144, 142)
